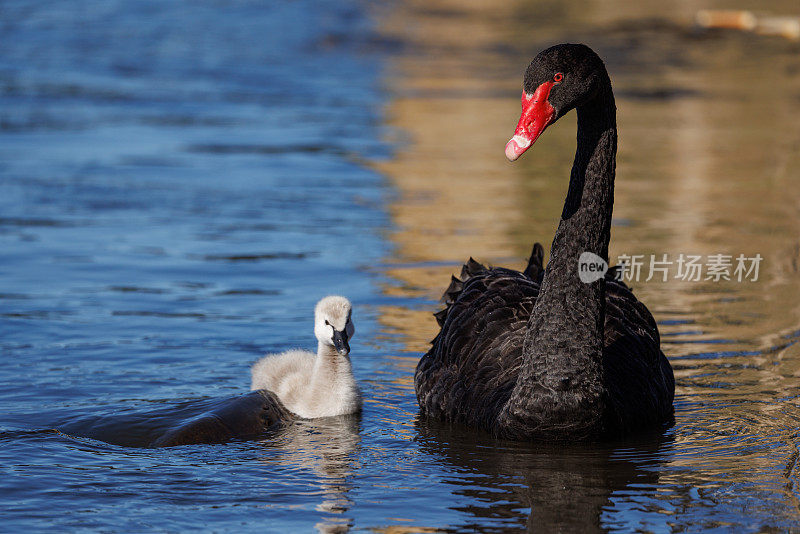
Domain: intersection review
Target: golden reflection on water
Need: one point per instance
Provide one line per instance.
(708, 163)
(708, 157)
(327, 447)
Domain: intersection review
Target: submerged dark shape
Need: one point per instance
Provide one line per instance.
(188, 423)
(540, 354)
(246, 416)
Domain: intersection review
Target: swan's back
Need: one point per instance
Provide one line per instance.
(285, 374)
(291, 377)
(470, 371)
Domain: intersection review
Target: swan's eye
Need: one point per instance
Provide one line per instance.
(558, 77)
(327, 323)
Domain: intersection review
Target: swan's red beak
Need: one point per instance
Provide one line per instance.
(537, 114)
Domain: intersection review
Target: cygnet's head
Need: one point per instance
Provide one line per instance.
(333, 324)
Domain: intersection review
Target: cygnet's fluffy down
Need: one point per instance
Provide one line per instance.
(315, 385)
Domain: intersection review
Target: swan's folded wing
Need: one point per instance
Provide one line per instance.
(638, 377)
(473, 363)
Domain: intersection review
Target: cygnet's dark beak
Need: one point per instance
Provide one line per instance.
(340, 342)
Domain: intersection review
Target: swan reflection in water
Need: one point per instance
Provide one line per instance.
(541, 487)
(328, 447)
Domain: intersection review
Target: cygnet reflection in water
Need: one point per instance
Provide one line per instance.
(329, 448)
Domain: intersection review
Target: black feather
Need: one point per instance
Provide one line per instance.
(471, 268)
(535, 268)
(441, 316)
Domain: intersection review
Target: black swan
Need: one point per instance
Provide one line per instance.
(539, 354)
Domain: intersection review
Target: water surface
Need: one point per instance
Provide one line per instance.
(179, 184)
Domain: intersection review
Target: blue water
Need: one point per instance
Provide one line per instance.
(180, 182)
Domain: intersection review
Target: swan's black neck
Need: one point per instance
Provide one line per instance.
(560, 384)
(586, 218)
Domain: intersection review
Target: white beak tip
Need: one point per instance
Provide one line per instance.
(516, 146)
